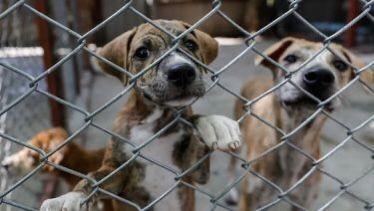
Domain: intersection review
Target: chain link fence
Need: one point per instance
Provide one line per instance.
(35, 86)
(15, 36)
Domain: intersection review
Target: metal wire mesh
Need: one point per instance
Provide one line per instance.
(15, 35)
(250, 40)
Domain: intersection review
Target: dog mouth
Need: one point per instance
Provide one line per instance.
(163, 94)
(306, 101)
(300, 100)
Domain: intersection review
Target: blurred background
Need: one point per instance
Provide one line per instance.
(33, 44)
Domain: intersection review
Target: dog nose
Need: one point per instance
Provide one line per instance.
(181, 75)
(318, 81)
(5, 165)
(318, 77)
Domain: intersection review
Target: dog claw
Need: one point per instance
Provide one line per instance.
(234, 145)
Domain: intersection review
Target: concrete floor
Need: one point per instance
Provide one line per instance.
(348, 163)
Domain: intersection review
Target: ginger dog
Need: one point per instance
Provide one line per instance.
(175, 82)
(287, 108)
(71, 156)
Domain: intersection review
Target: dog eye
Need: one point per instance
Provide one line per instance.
(290, 58)
(340, 65)
(191, 45)
(142, 53)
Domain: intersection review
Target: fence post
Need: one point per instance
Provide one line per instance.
(54, 81)
(352, 32)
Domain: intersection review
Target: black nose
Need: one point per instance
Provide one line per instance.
(5, 166)
(318, 77)
(319, 82)
(181, 75)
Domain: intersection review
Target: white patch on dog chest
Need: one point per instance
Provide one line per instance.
(157, 179)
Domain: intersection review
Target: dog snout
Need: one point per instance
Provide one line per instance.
(181, 75)
(318, 77)
(5, 165)
(319, 82)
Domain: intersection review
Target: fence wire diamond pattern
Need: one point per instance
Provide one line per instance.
(250, 41)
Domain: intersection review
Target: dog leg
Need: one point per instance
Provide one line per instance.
(187, 196)
(219, 132)
(307, 193)
(222, 133)
(233, 196)
(114, 184)
(202, 173)
(72, 200)
(244, 196)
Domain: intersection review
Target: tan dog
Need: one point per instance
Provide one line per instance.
(287, 108)
(174, 82)
(71, 156)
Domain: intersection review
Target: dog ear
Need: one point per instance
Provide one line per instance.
(367, 76)
(208, 45)
(116, 52)
(274, 52)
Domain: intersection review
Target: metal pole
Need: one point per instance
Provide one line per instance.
(54, 81)
(352, 32)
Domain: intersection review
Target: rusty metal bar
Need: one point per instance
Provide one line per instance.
(351, 35)
(54, 82)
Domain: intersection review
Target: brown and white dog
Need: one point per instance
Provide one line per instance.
(71, 156)
(286, 108)
(173, 83)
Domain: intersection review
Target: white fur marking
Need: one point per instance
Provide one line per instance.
(70, 201)
(157, 113)
(158, 180)
(177, 58)
(19, 163)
